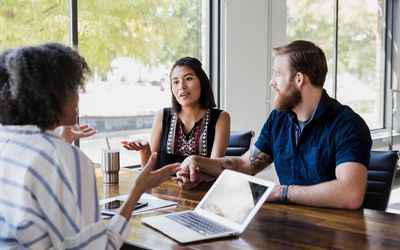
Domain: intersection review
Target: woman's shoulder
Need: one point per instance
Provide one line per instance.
(165, 111)
(163, 116)
(159, 114)
(221, 114)
(221, 118)
(69, 151)
(60, 154)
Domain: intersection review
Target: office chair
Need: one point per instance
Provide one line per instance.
(381, 172)
(239, 142)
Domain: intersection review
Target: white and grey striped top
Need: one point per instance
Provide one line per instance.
(48, 195)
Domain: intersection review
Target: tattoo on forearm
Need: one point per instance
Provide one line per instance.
(227, 164)
(258, 160)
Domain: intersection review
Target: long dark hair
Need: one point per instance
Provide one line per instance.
(206, 95)
(36, 81)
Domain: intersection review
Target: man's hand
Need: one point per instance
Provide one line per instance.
(190, 174)
(71, 133)
(190, 169)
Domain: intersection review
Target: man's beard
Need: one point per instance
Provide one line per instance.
(289, 100)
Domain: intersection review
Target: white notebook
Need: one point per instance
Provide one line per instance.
(151, 203)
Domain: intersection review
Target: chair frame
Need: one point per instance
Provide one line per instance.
(239, 142)
(381, 173)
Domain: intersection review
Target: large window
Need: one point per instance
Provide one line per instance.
(352, 35)
(130, 46)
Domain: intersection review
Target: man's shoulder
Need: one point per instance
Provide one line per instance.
(275, 121)
(345, 114)
(277, 118)
(341, 113)
(346, 123)
(275, 114)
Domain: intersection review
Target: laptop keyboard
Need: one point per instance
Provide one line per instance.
(198, 223)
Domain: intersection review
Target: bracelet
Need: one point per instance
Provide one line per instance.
(285, 189)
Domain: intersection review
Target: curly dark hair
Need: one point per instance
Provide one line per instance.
(35, 82)
(206, 96)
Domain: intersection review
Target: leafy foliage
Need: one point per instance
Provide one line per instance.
(150, 31)
(359, 32)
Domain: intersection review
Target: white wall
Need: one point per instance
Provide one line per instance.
(247, 58)
(251, 29)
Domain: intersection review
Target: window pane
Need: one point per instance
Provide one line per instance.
(360, 76)
(360, 64)
(130, 48)
(313, 20)
(32, 22)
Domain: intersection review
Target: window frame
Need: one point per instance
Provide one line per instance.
(212, 64)
(388, 135)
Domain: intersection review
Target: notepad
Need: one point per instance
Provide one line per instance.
(153, 203)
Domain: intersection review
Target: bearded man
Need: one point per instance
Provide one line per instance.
(320, 148)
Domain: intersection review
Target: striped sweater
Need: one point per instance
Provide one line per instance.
(48, 195)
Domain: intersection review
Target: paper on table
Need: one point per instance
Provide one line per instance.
(153, 202)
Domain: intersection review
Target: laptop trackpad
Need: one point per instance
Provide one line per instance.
(173, 229)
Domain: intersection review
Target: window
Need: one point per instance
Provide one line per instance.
(130, 48)
(352, 35)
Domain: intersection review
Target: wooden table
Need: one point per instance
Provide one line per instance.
(276, 226)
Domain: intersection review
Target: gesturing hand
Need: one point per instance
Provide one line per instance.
(135, 145)
(71, 133)
(150, 178)
(146, 180)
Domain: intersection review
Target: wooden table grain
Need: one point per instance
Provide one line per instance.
(275, 226)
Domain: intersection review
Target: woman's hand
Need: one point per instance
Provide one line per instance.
(71, 133)
(139, 145)
(187, 184)
(182, 178)
(190, 169)
(146, 180)
(149, 179)
(135, 145)
(189, 174)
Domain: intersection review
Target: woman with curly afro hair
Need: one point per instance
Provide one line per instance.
(48, 195)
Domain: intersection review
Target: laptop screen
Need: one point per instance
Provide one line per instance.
(233, 198)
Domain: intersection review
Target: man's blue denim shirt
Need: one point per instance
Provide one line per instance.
(334, 135)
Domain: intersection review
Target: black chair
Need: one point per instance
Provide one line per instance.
(239, 142)
(381, 172)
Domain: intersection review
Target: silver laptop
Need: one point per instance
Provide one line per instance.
(225, 210)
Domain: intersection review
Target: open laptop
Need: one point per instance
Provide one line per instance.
(225, 210)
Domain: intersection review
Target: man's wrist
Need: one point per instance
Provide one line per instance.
(285, 189)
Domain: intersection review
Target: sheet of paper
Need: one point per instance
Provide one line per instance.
(153, 203)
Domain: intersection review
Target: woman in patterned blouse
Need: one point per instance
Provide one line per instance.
(192, 126)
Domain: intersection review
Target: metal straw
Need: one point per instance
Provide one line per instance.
(108, 143)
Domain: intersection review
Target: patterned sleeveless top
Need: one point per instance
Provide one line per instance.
(176, 145)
